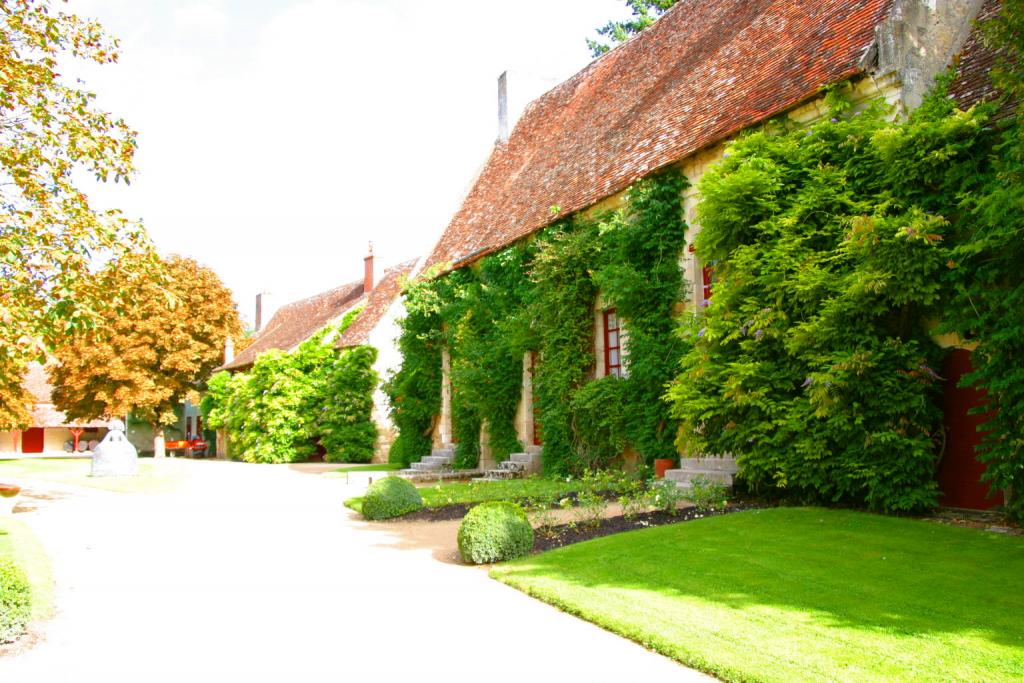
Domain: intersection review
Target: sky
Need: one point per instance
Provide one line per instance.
(278, 138)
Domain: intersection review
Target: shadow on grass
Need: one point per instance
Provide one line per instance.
(834, 568)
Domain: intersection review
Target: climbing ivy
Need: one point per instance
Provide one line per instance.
(414, 391)
(563, 302)
(813, 363)
(986, 277)
(288, 403)
(539, 295)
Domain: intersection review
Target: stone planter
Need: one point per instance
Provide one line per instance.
(662, 465)
(8, 498)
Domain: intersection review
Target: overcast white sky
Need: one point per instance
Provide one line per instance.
(278, 137)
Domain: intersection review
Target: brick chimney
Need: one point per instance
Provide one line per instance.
(368, 281)
(262, 306)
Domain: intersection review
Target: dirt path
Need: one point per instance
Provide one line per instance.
(253, 573)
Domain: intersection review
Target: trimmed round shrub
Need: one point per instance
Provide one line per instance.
(492, 532)
(15, 600)
(391, 497)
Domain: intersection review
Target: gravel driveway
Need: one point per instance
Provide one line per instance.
(258, 573)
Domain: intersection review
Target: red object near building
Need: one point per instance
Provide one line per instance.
(612, 344)
(32, 440)
(960, 472)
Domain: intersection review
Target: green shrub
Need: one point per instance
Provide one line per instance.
(707, 495)
(391, 497)
(492, 532)
(15, 600)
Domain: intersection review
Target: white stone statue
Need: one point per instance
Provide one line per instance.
(115, 456)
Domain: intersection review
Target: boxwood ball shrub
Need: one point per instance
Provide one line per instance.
(15, 600)
(492, 532)
(391, 497)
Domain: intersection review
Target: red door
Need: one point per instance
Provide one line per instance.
(960, 472)
(536, 409)
(32, 440)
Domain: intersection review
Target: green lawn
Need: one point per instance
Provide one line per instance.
(18, 542)
(467, 493)
(155, 476)
(801, 594)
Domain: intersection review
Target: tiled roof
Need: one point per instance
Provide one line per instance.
(972, 84)
(377, 304)
(298, 321)
(44, 414)
(705, 70)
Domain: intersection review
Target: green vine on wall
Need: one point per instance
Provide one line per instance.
(834, 244)
(287, 403)
(539, 295)
(414, 391)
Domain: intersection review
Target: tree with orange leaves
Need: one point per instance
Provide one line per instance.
(50, 129)
(165, 336)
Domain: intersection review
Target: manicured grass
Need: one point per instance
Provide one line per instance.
(468, 493)
(441, 494)
(379, 467)
(801, 594)
(155, 476)
(18, 542)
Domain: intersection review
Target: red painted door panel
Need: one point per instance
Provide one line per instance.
(32, 440)
(960, 472)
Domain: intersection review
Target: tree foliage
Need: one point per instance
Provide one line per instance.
(288, 403)
(15, 401)
(51, 132)
(163, 337)
(645, 13)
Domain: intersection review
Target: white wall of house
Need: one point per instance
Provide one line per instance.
(384, 337)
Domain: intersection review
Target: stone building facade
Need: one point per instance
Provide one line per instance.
(674, 96)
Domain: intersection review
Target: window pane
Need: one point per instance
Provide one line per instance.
(613, 321)
(613, 339)
(613, 357)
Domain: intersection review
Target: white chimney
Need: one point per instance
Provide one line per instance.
(512, 102)
(229, 350)
(503, 107)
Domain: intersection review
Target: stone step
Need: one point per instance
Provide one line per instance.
(429, 466)
(522, 458)
(438, 475)
(723, 464)
(685, 476)
(438, 459)
(512, 466)
(443, 452)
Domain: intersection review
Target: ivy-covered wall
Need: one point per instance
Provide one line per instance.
(538, 295)
(833, 246)
(288, 403)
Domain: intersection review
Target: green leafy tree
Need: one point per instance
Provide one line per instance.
(645, 13)
(345, 423)
(165, 334)
(288, 403)
(50, 133)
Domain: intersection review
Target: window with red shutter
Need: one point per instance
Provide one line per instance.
(612, 344)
